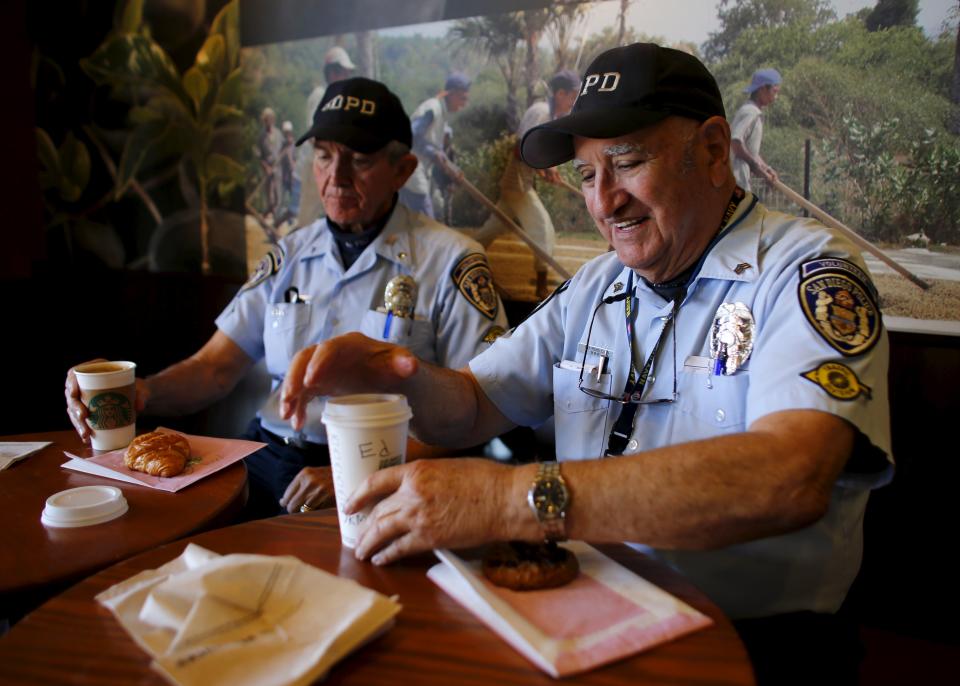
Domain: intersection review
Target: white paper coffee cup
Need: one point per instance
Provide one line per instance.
(365, 433)
(108, 390)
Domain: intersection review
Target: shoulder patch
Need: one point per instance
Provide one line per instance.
(268, 265)
(840, 303)
(473, 279)
(838, 380)
(493, 333)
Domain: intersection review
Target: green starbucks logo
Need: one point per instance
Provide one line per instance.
(110, 410)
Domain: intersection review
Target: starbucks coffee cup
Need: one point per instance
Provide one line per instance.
(108, 390)
(365, 433)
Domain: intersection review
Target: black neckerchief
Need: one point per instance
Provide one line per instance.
(351, 245)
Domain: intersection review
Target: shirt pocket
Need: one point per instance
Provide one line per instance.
(286, 332)
(580, 419)
(713, 404)
(417, 335)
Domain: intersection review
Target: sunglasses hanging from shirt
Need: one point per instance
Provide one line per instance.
(633, 390)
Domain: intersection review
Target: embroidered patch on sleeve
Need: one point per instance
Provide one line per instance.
(493, 333)
(473, 279)
(840, 303)
(838, 380)
(268, 265)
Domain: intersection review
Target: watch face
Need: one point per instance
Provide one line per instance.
(549, 496)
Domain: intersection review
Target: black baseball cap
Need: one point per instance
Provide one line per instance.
(625, 89)
(360, 113)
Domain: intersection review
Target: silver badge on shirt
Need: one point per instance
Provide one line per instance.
(400, 296)
(731, 338)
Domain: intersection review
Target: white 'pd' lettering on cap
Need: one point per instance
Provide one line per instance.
(351, 102)
(608, 82)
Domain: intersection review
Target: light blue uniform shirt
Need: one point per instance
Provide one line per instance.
(453, 319)
(533, 373)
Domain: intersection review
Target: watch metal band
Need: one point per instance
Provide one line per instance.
(554, 527)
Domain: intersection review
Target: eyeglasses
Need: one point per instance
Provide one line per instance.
(635, 396)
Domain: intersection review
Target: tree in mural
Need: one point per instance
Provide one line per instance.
(738, 16)
(498, 38)
(890, 13)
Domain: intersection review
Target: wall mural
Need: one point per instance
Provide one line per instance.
(181, 157)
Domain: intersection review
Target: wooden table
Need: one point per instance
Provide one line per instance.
(73, 640)
(38, 561)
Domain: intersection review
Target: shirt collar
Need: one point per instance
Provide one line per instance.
(393, 243)
(734, 258)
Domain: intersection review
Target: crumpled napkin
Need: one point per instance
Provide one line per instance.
(12, 452)
(246, 619)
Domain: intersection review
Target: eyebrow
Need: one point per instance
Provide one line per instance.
(614, 150)
(623, 149)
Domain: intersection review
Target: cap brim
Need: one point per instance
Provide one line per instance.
(350, 136)
(551, 144)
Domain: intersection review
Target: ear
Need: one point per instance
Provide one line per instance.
(403, 169)
(715, 135)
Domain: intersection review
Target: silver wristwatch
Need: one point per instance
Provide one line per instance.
(549, 499)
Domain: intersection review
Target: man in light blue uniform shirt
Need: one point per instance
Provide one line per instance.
(728, 362)
(332, 277)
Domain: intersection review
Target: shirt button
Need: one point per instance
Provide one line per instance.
(721, 415)
(275, 323)
(632, 444)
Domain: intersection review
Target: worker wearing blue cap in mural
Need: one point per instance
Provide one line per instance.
(746, 131)
(428, 122)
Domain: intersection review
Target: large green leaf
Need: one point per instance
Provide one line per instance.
(231, 90)
(165, 106)
(139, 144)
(227, 24)
(128, 16)
(222, 168)
(211, 58)
(75, 163)
(49, 160)
(222, 113)
(136, 62)
(197, 85)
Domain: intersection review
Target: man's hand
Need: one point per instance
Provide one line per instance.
(351, 363)
(77, 411)
(768, 173)
(312, 487)
(437, 504)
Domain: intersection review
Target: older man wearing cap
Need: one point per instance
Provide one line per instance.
(746, 131)
(337, 66)
(518, 197)
(731, 359)
(336, 275)
(428, 122)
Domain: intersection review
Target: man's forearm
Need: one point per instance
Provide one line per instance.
(709, 493)
(185, 387)
(449, 408)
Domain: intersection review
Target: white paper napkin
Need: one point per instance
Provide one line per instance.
(240, 619)
(607, 613)
(11, 452)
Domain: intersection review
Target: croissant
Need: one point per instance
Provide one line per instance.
(158, 453)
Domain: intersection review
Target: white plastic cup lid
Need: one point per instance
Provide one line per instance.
(378, 408)
(84, 506)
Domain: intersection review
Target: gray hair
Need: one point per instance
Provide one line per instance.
(395, 151)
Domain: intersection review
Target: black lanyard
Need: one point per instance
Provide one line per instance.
(623, 427)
